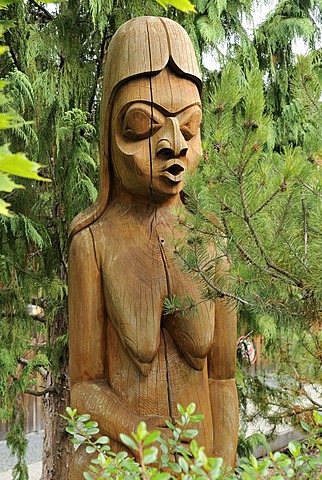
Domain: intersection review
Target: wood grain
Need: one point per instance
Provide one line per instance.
(128, 360)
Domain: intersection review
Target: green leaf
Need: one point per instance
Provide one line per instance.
(190, 433)
(215, 468)
(183, 464)
(170, 425)
(202, 456)
(150, 455)
(175, 467)
(18, 164)
(71, 430)
(6, 184)
(71, 412)
(191, 408)
(197, 470)
(83, 418)
(295, 448)
(5, 3)
(90, 449)
(305, 426)
(161, 476)
(183, 5)
(141, 430)
(103, 440)
(77, 440)
(101, 458)
(87, 476)
(4, 208)
(194, 448)
(196, 418)
(6, 121)
(151, 437)
(128, 441)
(180, 409)
(121, 456)
(317, 417)
(91, 424)
(93, 431)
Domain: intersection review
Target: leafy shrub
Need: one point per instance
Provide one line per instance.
(182, 457)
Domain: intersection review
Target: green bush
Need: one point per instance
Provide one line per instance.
(160, 459)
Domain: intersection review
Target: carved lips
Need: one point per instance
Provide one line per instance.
(174, 171)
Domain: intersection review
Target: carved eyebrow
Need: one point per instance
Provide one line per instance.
(145, 107)
(168, 113)
(158, 107)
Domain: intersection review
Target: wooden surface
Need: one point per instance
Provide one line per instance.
(128, 361)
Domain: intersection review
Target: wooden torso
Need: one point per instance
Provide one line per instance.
(153, 361)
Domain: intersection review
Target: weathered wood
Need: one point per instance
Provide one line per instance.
(128, 361)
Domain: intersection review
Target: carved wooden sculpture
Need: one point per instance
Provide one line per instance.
(129, 362)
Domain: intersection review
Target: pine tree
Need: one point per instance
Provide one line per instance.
(257, 198)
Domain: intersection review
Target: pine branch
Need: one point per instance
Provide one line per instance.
(311, 189)
(305, 230)
(43, 372)
(221, 292)
(38, 318)
(227, 165)
(317, 345)
(263, 205)
(227, 207)
(259, 244)
(43, 392)
(246, 255)
(309, 96)
(244, 163)
(201, 230)
(286, 210)
(99, 63)
(42, 9)
(296, 255)
(20, 269)
(15, 59)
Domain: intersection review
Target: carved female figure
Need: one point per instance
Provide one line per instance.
(128, 361)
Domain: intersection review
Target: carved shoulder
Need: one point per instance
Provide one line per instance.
(82, 247)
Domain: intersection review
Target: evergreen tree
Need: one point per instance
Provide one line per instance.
(257, 197)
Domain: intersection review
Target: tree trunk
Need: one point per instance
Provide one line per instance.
(57, 449)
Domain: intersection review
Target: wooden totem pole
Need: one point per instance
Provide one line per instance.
(128, 361)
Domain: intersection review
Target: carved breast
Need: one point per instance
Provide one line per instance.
(139, 270)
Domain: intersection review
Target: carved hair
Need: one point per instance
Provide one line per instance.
(142, 46)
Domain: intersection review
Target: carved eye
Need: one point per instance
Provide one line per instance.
(137, 125)
(190, 128)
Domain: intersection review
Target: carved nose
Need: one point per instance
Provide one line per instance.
(172, 144)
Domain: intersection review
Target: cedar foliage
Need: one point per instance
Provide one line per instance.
(260, 178)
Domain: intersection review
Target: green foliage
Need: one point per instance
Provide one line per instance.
(15, 164)
(256, 205)
(160, 459)
(183, 5)
(256, 200)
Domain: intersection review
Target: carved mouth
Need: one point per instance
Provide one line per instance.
(175, 169)
(174, 172)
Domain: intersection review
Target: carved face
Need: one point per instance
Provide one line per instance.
(155, 130)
